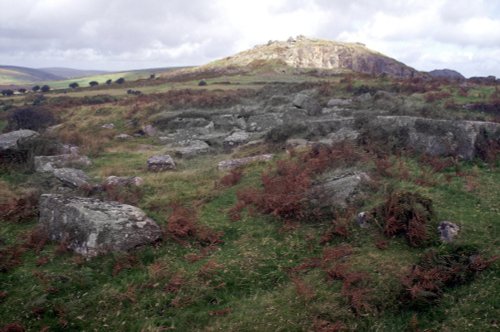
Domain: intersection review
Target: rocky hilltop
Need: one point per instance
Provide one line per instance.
(307, 53)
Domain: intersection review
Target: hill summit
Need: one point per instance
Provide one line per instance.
(307, 53)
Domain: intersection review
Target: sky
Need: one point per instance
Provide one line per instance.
(132, 34)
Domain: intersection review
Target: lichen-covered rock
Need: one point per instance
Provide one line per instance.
(9, 141)
(236, 138)
(448, 231)
(227, 165)
(17, 146)
(304, 101)
(49, 163)
(266, 121)
(161, 163)
(337, 189)
(191, 148)
(123, 181)
(74, 178)
(436, 137)
(91, 227)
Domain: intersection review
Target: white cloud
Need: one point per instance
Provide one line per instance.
(116, 34)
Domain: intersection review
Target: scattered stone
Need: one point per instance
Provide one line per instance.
(191, 148)
(448, 231)
(260, 122)
(338, 189)
(9, 141)
(70, 149)
(149, 130)
(161, 163)
(362, 219)
(90, 227)
(230, 164)
(236, 138)
(122, 181)
(72, 177)
(297, 143)
(49, 163)
(123, 137)
(304, 101)
(108, 126)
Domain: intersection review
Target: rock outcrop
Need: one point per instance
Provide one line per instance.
(308, 53)
(90, 227)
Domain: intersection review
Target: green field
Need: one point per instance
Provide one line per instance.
(266, 273)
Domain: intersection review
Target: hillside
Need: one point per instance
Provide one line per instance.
(67, 73)
(270, 201)
(23, 75)
(307, 53)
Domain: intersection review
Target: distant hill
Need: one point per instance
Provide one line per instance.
(447, 74)
(67, 73)
(307, 53)
(23, 75)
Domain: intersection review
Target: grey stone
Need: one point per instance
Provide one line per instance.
(236, 138)
(70, 149)
(91, 227)
(72, 177)
(191, 148)
(9, 141)
(161, 163)
(448, 231)
(343, 134)
(228, 122)
(49, 163)
(120, 181)
(227, 165)
(266, 121)
(437, 137)
(337, 189)
(304, 101)
(108, 126)
(123, 137)
(149, 130)
(362, 220)
(339, 102)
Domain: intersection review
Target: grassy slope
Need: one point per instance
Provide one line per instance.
(252, 279)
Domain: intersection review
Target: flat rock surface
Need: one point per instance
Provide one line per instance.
(71, 177)
(161, 163)
(91, 227)
(49, 163)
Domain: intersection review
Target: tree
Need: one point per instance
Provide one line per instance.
(7, 92)
(45, 88)
(108, 82)
(74, 85)
(152, 76)
(202, 83)
(93, 83)
(121, 80)
(22, 90)
(35, 88)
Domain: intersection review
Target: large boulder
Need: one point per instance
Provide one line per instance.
(161, 163)
(49, 163)
(11, 147)
(9, 141)
(266, 121)
(91, 227)
(123, 181)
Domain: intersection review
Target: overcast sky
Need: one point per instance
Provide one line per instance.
(129, 34)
